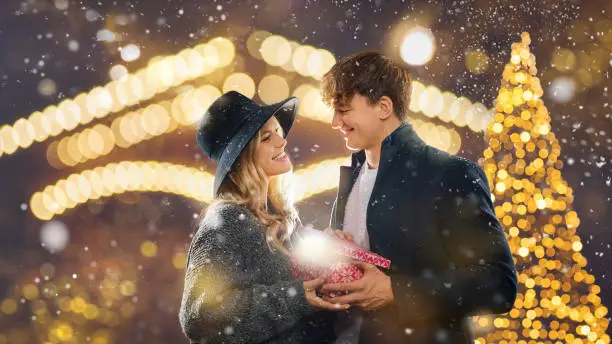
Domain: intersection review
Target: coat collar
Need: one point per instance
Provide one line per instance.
(404, 136)
(403, 140)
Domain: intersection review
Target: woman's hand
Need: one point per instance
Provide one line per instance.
(339, 234)
(318, 303)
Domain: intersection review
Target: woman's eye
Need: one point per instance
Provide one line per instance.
(265, 139)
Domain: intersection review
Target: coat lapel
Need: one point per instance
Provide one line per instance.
(397, 165)
(348, 176)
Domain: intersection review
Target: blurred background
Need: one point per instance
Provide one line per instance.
(102, 185)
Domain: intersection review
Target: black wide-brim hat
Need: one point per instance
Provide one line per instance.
(231, 122)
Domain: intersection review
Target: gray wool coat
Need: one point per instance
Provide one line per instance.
(239, 291)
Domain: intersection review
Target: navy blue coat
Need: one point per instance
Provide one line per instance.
(431, 214)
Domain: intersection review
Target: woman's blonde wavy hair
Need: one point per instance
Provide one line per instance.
(247, 181)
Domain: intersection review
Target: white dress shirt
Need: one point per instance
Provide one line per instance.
(355, 216)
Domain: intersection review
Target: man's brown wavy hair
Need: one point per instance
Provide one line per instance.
(370, 74)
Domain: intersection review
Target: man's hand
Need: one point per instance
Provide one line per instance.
(371, 292)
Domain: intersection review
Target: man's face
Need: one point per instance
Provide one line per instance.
(358, 122)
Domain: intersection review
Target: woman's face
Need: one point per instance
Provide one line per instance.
(270, 153)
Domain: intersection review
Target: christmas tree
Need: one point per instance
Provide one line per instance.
(558, 299)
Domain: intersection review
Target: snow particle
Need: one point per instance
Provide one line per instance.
(54, 236)
(73, 45)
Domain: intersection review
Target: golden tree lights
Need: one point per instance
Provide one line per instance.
(558, 299)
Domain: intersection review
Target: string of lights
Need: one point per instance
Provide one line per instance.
(163, 73)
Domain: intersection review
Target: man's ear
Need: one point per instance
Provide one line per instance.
(385, 106)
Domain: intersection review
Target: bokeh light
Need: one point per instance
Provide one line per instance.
(476, 61)
(272, 89)
(54, 235)
(47, 87)
(106, 35)
(562, 89)
(418, 46)
(130, 52)
(275, 50)
(158, 76)
(118, 72)
(240, 82)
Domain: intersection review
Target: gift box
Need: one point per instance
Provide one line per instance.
(321, 254)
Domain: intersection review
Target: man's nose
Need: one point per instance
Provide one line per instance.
(336, 121)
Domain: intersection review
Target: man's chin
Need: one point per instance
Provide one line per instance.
(352, 147)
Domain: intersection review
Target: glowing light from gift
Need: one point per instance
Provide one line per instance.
(418, 46)
(314, 248)
(558, 298)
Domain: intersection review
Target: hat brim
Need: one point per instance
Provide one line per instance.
(285, 112)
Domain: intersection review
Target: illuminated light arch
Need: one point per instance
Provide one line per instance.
(165, 72)
(160, 74)
(143, 176)
(185, 110)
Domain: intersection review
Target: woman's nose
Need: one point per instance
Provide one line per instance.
(282, 143)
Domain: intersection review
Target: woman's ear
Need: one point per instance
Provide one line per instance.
(385, 106)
